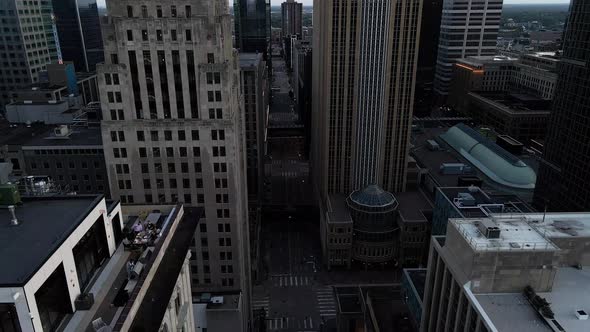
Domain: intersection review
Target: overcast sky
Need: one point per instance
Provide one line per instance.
(310, 2)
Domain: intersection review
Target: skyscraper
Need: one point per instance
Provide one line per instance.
(252, 25)
(173, 130)
(29, 43)
(78, 28)
(564, 179)
(467, 28)
(364, 67)
(429, 34)
(291, 13)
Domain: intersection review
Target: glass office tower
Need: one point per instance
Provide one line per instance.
(78, 28)
(252, 25)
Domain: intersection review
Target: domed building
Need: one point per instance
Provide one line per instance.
(375, 230)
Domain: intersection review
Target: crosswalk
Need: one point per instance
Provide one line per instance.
(287, 323)
(287, 280)
(261, 303)
(325, 302)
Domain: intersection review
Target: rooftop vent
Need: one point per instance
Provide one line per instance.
(14, 220)
(217, 299)
(489, 229)
(581, 314)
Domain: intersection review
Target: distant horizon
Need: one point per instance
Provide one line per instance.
(101, 3)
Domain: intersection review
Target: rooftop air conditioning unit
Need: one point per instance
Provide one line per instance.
(489, 229)
(581, 314)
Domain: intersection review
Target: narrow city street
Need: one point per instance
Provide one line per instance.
(296, 292)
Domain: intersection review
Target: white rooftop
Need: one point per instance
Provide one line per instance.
(571, 292)
(515, 234)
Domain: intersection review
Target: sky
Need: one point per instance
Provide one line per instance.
(310, 2)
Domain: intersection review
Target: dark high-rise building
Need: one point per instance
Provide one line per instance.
(430, 27)
(252, 25)
(291, 12)
(564, 179)
(78, 28)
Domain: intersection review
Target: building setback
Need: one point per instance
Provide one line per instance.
(564, 179)
(78, 28)
(181, 133)
(507, 272)
(291, 12)
(467, 28)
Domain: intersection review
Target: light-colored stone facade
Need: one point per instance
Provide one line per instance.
(171, 69)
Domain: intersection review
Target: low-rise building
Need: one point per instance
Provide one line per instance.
(373, 227)
(460, 156)
(509, 272)
(66, 266)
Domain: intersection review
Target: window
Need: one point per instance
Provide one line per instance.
(198, 168)
(205, 255)
(171, 168)
(173, 35)
(167, 135)
(111, 97)
(186, 183)
(169, 152)
(159, 35)
(188, 11)
(210, 96)
(107, 79)
(210, 58)
(173, 11)
(156, 152)
(196, 151)
(114, 59)
(144, 35)
(159, 11)
(142, 153)
(147, 184)
(204, 242)
(116, 79)
(154, 135)
(118, 97)
(203, 228)
(188, 35)
(140, 136)
(121, 136)
(217, 78)
(114, 136)
(200, 198)
(130, 35)
(145, 168)
(217, 95)
(199, 183)
(182, 151)
(181, 135)
(129, 11)
(173, 184)
(144, 12)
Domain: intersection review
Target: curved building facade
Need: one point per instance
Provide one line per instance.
(375, 231)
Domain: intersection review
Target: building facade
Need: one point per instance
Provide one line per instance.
(29, 43)
(254, 83)
(180, 137)
(427, 53)
(467, 28)
(507, 272)
(291, 12)
(565, 173)
(252, 26)
(363, 101)
(78, 28)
